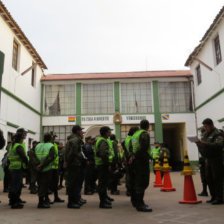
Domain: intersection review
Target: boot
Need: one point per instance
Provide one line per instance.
(57, 199)
(15, 202)
(140, 205)
(42, 204)
(105, 202)
(72, 203)
(204, 191)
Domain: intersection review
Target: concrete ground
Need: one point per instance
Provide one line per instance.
(166, 209)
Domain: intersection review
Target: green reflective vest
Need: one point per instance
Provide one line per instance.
(14, 158)
(127, 143)
(155, 152)
(56, 160)
(136, 141)
(42, 151)
(98, 160)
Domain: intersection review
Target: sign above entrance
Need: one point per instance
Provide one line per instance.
(107, 119)
(135, 119)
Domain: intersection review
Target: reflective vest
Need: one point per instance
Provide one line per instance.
(56, 160)
(14, 158)
(98, 160)
(155, 152)
(136, 141)
(42, 151)
(127, 143)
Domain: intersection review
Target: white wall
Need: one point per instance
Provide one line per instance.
(212, 81)
(12, 80)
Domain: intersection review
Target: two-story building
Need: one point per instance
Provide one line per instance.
(21, 69)
(122, 100)
(207, 66)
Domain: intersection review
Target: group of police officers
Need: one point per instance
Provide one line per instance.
(101, 159)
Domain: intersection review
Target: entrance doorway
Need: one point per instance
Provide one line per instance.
(93, 131)
(174, 135)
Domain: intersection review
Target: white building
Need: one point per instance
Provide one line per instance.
(122, 100)
(20, 88)
(207, 66)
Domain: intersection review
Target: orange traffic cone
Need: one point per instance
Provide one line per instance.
(157, 168)
(167, 184)
(189, 190)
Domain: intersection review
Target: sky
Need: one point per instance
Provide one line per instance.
(80, 36)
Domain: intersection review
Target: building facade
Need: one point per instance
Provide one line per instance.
(122, 100)
(207, 66)
(21, 69)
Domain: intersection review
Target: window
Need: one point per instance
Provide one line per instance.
(218, 54)
(175, 97)
(62, 132)
(33, 75)
(15, 55)
(198, 74)
(125, 129)
(136, 98)
(59, 100)
(97, 99)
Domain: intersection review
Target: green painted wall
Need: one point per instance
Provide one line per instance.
(117, 108)
(78, 103)
(157, 114)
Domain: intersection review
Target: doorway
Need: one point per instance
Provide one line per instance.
(174, 135)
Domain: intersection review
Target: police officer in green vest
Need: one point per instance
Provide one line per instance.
(114, 166)
(140, 165)
(211, 145)
(55, 171)
(155, 152)
(17, 158)
(103, 160)
(126, 145)
(45, 154)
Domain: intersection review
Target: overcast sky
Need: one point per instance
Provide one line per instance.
(75, 36)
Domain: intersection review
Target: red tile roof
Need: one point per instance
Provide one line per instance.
(117, 75)
(207, 34)
(5, 14)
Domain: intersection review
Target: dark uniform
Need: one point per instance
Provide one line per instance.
(17, 157)
(115, 164)
(2, 140)
(90, 169)
(44, 171)
(33, 163)
(212, 151)
(140, 168)
(73, 161)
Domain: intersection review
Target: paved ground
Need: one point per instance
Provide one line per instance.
(165, 205)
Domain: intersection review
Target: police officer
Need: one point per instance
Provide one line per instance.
(103, 159)
(55, 172)
(89, 179)
(32, 168)
(73, 162)
(155, 152)
(126, 145)
(45, 154)
(114, 166)
(211, 146)
(202, 166)
(140, 165)
(17, 158)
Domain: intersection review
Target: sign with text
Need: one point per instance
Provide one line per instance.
(101, 119)
(135, 119)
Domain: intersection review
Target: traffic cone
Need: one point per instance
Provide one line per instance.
(189, 190)
(157, 168)
(167, 184)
